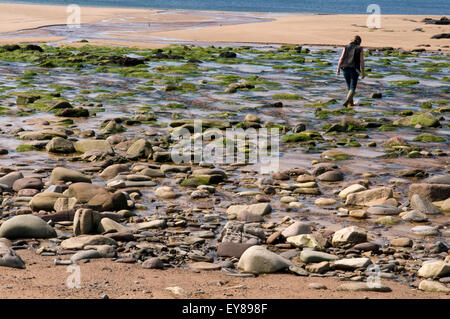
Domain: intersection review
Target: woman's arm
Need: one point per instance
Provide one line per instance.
(340, 62)
(363, 72)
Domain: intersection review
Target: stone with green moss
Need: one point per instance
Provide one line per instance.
(335, 155)
(423, 119)
(428, 138)
(194, 181)
(301, 137)
(25, 148)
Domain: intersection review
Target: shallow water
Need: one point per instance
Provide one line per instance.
(313, 83)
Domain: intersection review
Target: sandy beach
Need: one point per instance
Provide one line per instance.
(169, 26)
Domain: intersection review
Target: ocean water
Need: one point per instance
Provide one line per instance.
(431, 7)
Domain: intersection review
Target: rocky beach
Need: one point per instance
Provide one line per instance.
(358, 206)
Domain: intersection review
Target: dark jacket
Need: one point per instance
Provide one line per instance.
(352, 57)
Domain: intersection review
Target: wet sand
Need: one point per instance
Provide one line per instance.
(138, 27)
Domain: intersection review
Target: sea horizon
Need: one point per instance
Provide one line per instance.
(401, 7)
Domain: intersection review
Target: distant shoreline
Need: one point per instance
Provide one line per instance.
(128, 27)
(100, 5)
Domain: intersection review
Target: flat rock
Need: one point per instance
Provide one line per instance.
(157, 223)
(402, 242)
(383, 210)
(414, 216)
(80, 242)
(433, 286)
(204, 266)
(325, 201)
(425, 230)
(88, 145)
(85, 254)
(312, 256)
(352, 263)
(363, 286)
(260, 209)
(317, 286)
(369, 197)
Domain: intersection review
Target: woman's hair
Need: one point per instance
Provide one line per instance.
(357, 40)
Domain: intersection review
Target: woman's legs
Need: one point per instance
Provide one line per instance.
(351, 78)
(348, 77)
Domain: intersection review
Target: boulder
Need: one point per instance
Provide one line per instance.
(259, 260)
(9, 258)
(26, 226)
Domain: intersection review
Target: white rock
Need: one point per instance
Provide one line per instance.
(259, 260)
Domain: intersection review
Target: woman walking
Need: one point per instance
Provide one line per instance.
(352, 64)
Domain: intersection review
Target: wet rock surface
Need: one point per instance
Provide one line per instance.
(355, 187)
